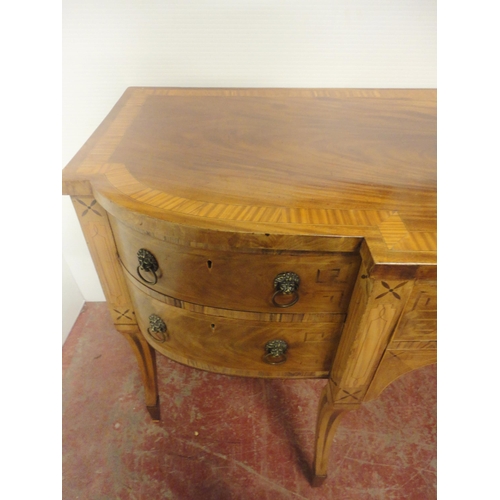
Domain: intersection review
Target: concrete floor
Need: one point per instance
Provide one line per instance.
(230, 438)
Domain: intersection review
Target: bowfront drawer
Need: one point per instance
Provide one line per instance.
(270, 281)
(237, 346)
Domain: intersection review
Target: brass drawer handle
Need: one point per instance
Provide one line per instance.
(286, 284)
(275, 352)
(157, 328)
(147, 263)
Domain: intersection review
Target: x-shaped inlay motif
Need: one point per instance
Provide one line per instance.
(391, 290)
(88, 207)
(122, 314)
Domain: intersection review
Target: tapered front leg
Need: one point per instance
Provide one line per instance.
(146, 359)
(374, 311)
(328, 420)
(100, 241)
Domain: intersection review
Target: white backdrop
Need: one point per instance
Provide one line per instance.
(109, 45)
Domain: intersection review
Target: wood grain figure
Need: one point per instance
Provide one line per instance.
(272, 233)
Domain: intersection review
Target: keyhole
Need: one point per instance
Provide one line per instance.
(212, 326)
(209, 264)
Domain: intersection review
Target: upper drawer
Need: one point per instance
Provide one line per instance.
(239, 280)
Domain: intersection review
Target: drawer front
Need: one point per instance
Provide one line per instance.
(236, 347)
(238, 280)
(419, 320)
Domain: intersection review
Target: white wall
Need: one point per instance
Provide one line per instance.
(72, 300)
(109, 45)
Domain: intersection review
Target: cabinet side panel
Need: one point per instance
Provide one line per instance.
(396, 363)
(419, 320)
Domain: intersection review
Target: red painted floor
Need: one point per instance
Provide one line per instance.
(230, 438)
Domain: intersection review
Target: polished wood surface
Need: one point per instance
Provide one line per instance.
(98, 235)
(419, 321)
(96, 228)
(146, 360)
(278, 315)
(373, 314)
(240, 280)
(227, 188)
(349, 162)
(235, 346)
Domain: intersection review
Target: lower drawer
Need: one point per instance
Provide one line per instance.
(237, 347)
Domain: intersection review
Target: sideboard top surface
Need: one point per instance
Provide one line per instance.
(354, 163)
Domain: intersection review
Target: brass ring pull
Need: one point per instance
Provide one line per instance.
(286, 284)
(157, 328)
(147, 263)
(275, 352)
(144, 279)
(289, 304)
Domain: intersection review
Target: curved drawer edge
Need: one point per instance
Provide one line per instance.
(235, 314)
(199, 365)
(234, 346)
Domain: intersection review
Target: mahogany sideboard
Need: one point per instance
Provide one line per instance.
(268, 233)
